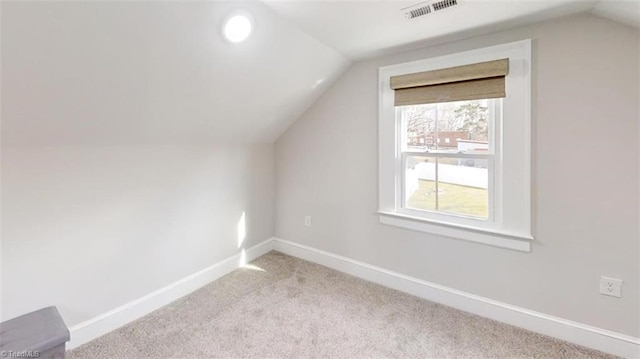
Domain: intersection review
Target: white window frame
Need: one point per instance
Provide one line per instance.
(509, 223)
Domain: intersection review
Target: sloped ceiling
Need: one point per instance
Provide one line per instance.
(135, 72)
(624, 11)
(105, 73)
(361, 28)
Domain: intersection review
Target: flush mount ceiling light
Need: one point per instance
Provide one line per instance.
(237, 27)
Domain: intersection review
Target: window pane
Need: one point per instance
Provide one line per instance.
(461, 126)
(463, 186)
(449, 185)
(420, 185)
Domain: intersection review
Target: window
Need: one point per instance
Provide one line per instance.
(442, 177)
(454, 156)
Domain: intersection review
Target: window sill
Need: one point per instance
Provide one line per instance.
(513, 241)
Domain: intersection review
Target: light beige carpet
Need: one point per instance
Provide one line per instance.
(283, 307)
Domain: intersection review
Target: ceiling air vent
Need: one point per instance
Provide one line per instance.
(443, 4)
(427, 7)
(417, 10)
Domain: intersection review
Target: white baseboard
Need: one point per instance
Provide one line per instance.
(113, 319)
(578, 333)
(581, 334)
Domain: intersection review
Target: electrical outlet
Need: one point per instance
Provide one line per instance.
(611, 287)
(307, 221)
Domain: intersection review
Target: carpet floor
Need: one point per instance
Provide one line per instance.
(283, 307)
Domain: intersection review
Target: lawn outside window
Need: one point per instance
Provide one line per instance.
(454, 156)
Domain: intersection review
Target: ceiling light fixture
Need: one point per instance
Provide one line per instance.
(237, 27)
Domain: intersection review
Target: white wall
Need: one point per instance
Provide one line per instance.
(585, 116)
(91, 228)
(128, 153)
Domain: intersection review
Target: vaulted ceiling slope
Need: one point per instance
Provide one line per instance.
(624, 11)
(105, 73)
(102, 73)
(365, 28)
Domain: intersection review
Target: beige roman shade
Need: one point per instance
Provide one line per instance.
(468, 82)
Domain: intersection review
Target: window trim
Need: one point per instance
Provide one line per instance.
(511, 230)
